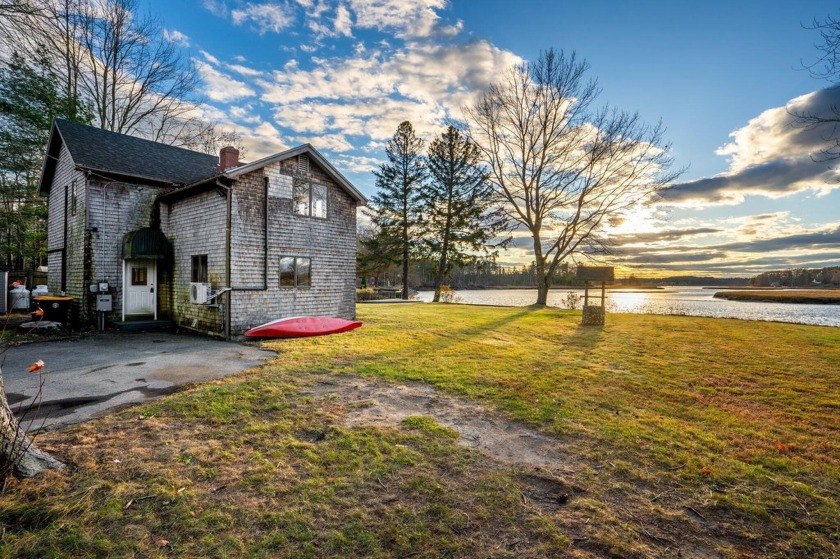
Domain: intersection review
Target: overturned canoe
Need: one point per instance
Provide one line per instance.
(301, 327)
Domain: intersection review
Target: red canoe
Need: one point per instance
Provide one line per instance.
(301, 327)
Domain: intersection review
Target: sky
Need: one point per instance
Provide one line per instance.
(722, 76)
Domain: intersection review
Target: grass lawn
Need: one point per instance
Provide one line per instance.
(684, 437)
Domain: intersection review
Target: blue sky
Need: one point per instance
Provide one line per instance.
(342, 74)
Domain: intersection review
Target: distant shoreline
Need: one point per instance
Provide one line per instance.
(804, 296)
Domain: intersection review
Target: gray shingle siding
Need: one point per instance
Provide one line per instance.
(330, 243)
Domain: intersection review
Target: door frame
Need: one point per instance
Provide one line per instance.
(152, 264)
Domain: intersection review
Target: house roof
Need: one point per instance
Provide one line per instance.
(124, 156)
(236, 172)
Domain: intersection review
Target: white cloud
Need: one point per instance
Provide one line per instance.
(216, 7)
(209, 57)
(369, 94)
(772, 156)
(244, 70)
(332, 142)
(406, 18)
(357, 163)
(221, 87)
(269, 17)
(342, 24)
(176, 37)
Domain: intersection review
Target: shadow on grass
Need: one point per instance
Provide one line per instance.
(456, 336)
(585, 337)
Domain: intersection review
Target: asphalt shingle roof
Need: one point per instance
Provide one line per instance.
(102, 150)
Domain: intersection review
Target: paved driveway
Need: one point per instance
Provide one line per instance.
(84, 378)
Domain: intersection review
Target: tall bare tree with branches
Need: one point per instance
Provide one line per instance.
(111, 55)
(561, 169)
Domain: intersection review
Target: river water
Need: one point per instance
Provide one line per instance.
(692, 301)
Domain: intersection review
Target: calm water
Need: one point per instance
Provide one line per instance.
(693, 301)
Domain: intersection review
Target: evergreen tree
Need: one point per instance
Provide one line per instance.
(461, 220)
(30, 97)
(397, 203)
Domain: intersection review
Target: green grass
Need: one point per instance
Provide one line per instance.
(689, 435)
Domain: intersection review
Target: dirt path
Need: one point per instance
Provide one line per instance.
(386, 404)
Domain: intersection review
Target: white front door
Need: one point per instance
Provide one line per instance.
(139, 288)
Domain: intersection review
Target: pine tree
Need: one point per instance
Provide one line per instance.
(30, 97)
(461, 221)
(397, 203)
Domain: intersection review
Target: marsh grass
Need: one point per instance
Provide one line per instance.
(690, 436)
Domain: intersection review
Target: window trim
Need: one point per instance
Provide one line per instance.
(295, 267)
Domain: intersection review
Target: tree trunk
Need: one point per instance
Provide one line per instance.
(542, 277)
(17, 452)
(405, 274)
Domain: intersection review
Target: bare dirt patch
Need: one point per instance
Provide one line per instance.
(552, 478)
(386, 404)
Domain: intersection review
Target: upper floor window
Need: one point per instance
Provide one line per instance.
(309, 199)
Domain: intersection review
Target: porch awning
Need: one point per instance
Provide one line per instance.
(146, 243)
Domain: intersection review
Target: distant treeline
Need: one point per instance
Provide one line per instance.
(485, 274)
(488, 274)
(798, 277)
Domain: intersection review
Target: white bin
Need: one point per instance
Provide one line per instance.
(19, 297)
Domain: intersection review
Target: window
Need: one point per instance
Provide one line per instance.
(199, 268)
(295, 271)
(309, 199)
(73, 198)
(139, 275)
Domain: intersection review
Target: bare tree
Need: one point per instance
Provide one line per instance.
(562, 170)
(138, 82)
(115, 58)
(18, 8)
(825, 67)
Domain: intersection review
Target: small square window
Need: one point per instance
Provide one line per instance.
(295, 271)
(199, 268)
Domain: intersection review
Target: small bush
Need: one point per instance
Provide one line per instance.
(365, 294)
(447, 295)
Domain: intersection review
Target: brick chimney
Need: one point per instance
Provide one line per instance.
(228, 157)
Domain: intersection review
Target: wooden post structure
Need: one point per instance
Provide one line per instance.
(594, 315)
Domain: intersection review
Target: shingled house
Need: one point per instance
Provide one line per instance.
(205, 242)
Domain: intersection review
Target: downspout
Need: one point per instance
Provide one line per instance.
(228, 235)
(228, 252)
(265, 234)
(64, 245)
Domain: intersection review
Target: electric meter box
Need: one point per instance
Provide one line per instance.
(103, 303)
